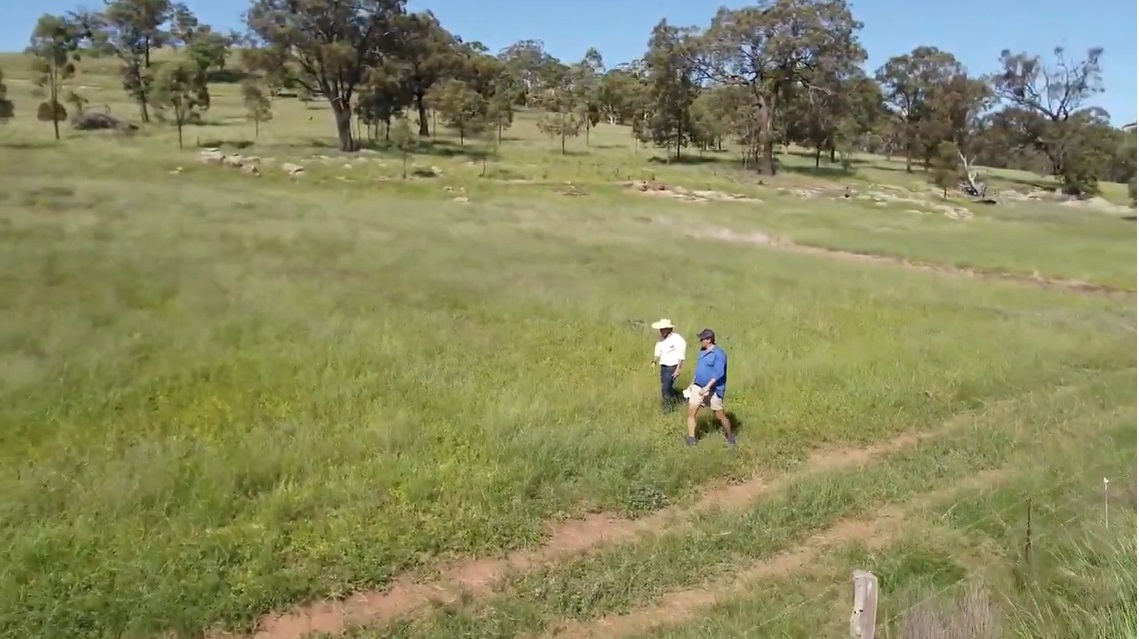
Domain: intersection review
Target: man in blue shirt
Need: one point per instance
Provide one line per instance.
(710, 379)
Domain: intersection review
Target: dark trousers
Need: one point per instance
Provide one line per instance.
(668, 394)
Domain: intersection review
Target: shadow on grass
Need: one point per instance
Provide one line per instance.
(1044, 184)
(825, 172)
(449, 150)
(707, 424)
(224, 144)
(691, 160)
(27, 146)
(568, 153)
(205, 124)
(227, 76)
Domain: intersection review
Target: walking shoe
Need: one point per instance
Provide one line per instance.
(691, 441)
(731, 441)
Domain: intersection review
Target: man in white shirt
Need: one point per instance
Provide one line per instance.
(668, 354)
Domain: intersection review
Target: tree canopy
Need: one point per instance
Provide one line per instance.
(764, 76)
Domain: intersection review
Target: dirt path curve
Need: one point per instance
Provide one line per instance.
(758, 238)
(405, 597)
(876, 531)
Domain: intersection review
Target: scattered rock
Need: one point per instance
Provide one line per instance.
(294, 170)
(176, 170)
(881, 197)
(460, 199)
(649, 187)
(808, 193)
(247, 165)
(211, 156)
(953, 212)
(1095, 203)
(1099, 204)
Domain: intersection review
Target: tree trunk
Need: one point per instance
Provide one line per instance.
(679, 135)
(818, 155)
(422, 109)
(256, 128)
(343, 125)
(499, 133)
(54, 97)
(434, 126)
(767, 145)
(833, 156)
(587, 132)
(144, 113)
(461, 136)
(563, 132)
(179, 124)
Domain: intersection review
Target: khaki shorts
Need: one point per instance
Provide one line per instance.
(695, 396)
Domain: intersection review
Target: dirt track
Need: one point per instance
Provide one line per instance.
(406, 598)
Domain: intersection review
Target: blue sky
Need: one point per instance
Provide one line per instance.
(974, 30)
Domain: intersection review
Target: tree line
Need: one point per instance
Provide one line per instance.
(774, 73)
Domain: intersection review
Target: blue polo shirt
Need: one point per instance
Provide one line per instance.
(712, 363)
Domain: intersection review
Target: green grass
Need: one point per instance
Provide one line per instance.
(222, 395)
(1080, 583)
(619, 579)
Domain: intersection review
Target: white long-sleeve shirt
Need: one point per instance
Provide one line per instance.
(670, 350)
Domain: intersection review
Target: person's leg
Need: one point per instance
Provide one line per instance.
(725, 423)
(694, 403)
(693, 409)
(667, 393)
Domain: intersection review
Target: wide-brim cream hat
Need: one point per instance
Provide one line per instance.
(663, 323)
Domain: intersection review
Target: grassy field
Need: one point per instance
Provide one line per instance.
(225, 395)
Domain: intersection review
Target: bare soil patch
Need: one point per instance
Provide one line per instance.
(760, 238)
(405, 597)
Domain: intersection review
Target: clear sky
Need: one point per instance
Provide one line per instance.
(974, 30)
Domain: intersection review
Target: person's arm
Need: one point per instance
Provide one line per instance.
(680, 361)
(656, 354)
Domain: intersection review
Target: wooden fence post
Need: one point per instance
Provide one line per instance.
(863, 617)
